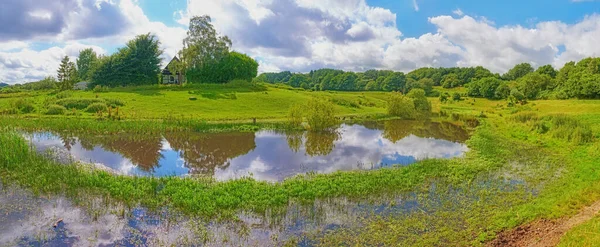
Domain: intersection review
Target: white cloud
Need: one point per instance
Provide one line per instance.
(458, 12)
(27, 65)
(415, 5)
(300, 35)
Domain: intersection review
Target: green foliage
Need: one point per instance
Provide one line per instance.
(547, 70)
(517, 97)
(56, 110)
(580, 80)
(96, 107)
(138, 63)
(456, 96)
(444, 97)
(114, 102)
(64, 95)
(85, 62)
(320, 114)
(233, 66)
(100, 89)
(401, 106)
(203, 50)
(532, 84)
(44, 84)
(518, 71)
(395, 82)
(23, 105)
(78, 103)
(486, 88)
(450, 81)
(295, 116)
(421, 103)
(67, 74)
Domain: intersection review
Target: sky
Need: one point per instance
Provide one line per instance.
(302, 35)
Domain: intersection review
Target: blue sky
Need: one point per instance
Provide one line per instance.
(300, 35)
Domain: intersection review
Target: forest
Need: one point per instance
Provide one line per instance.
(523, 82)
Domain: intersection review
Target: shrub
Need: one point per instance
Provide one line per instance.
(56, 110)
(345, 102)
(401, 106)
(96, 107)
(456, 97)
(422, 104)
(114, 102)
(78, 104)
(320, 114)
(444, 97)
(24, 106)
(63, 95)
(295, 116)
(524, 117)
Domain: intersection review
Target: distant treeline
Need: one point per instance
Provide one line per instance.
(574, 80)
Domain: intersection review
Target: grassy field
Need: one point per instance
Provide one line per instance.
(525, 163)
(205, 102)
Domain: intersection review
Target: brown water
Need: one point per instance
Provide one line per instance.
(264, 155)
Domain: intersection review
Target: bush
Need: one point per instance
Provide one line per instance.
(345, 102)
(444, 97)
(114, 102)
(100, 89)
(320, 114)
(456, 97)
(524, 117)
(56, 110)
(422, 104)
(96, 107)
(63, 95)
(24, 106)
(295, 116)
(401, 106)
(78, 104)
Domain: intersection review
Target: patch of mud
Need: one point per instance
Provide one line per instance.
(544, 233)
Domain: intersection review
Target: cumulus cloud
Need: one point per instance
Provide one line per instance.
(295, 35)
(29, 65)
(72, 25)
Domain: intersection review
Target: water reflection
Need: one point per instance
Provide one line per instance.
(265, 155)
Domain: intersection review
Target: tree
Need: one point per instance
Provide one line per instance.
(518, 71)
(202, 48)
(86, 60)
(547, 70)
(233, 66)
(401, 106)
(138, 63)
(450, 81)
(394, 82)
(422, 104)
(67, 74)
(532, 84)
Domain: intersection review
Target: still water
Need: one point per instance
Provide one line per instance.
(264, 155)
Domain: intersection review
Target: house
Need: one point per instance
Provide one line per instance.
(169, 78)
(81, 85)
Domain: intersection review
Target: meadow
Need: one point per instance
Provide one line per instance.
(526, 162)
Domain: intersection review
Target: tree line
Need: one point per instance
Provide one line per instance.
(574, 80)
(205, 58)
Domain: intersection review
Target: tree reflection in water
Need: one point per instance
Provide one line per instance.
(144, 151)
(203, 153)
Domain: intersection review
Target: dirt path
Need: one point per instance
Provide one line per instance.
(544, 233)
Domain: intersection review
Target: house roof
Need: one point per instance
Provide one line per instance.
(166, 69)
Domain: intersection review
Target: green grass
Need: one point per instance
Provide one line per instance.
(213, 102)
(586, 234)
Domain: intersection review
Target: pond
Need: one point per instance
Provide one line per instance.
(264, 155)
